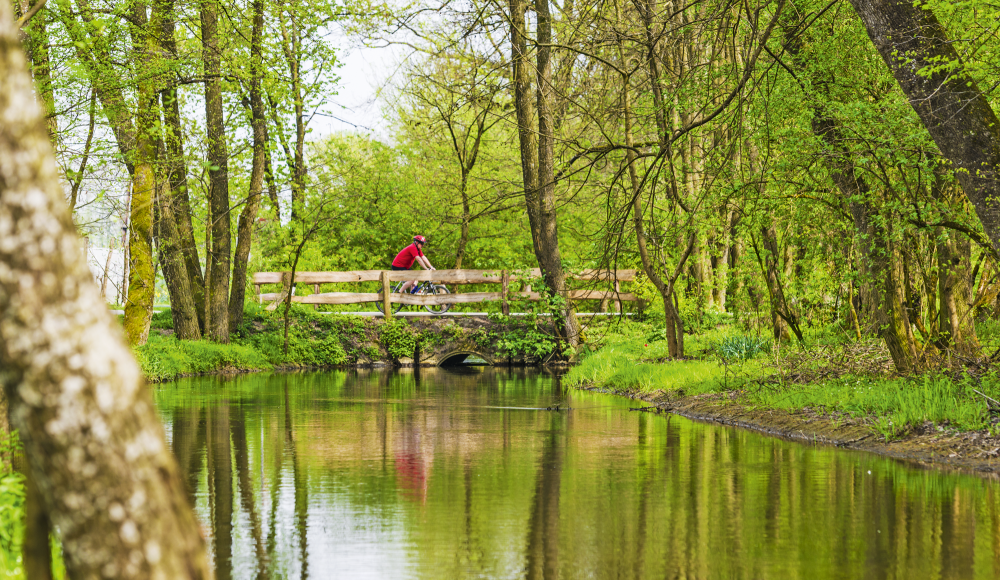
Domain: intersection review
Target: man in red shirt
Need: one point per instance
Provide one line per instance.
(412, 253)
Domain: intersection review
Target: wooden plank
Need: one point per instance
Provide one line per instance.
(600, 295)
(342, 298)
(419, 300)
(442, 276)
(590, 274)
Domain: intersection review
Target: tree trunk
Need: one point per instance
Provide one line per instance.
(955, 112)
(36, 549)
(673, 323)
(783, 318)
(142, 274)
(179, 200)
(91, 434)
(182, 304)
(463, 239)
(537, 160)
(244, 230)
(218, 160)
(956, 320)
(291, 42)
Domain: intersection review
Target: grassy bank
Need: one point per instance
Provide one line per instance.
(830, 375)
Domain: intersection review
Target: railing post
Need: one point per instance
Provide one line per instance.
(259, 301)
(316, 291)
(505, 284)
(618, 303)
(386, 302)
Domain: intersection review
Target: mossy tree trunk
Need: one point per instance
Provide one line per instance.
(142, 273)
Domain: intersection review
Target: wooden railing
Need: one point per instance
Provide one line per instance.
(448, 277)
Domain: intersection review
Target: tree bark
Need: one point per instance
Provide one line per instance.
(537, 158)
(218, 160)
(179, 197)
(36, 549)
(244, 229)
(142, 274)
(948, 101)
(291, 43)
(92, 439)
(175, 274)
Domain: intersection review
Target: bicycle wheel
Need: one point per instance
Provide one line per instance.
(396, 306)
(438, 308)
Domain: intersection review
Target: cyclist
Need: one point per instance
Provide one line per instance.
(412, 253)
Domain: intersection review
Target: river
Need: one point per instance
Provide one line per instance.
(473, 473)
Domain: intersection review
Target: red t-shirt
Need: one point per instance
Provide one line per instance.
(407, 256)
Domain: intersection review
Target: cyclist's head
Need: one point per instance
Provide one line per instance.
(420, 240)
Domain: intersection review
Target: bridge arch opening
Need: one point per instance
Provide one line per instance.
(464, 358)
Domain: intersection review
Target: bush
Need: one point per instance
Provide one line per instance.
(521, 337)
(398, 339)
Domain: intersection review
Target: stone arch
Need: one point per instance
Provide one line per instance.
(461, 355)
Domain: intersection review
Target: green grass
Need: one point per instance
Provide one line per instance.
(632, 358)
(894, 406)
(165, 357)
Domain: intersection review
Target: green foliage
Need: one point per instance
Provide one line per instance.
(742, 347)
(10, 447)
(162, 320)
(521, 336)
(12, 495)
(164, 358)
(629, 358)
(398, 338)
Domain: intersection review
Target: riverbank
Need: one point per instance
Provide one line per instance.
(832, 391)
(929, 445)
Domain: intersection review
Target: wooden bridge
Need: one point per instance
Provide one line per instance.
(610, 279)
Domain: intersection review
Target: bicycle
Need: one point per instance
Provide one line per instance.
(423, 288)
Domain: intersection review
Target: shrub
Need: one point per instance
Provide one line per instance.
(398, 339)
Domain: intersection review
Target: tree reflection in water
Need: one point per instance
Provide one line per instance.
(445, 475)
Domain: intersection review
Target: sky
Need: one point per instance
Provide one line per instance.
(357, 106)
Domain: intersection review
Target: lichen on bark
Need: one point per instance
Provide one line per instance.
(93, 442)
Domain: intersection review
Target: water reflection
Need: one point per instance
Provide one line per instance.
(452, 475)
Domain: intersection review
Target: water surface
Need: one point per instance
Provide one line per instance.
(467, 475)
